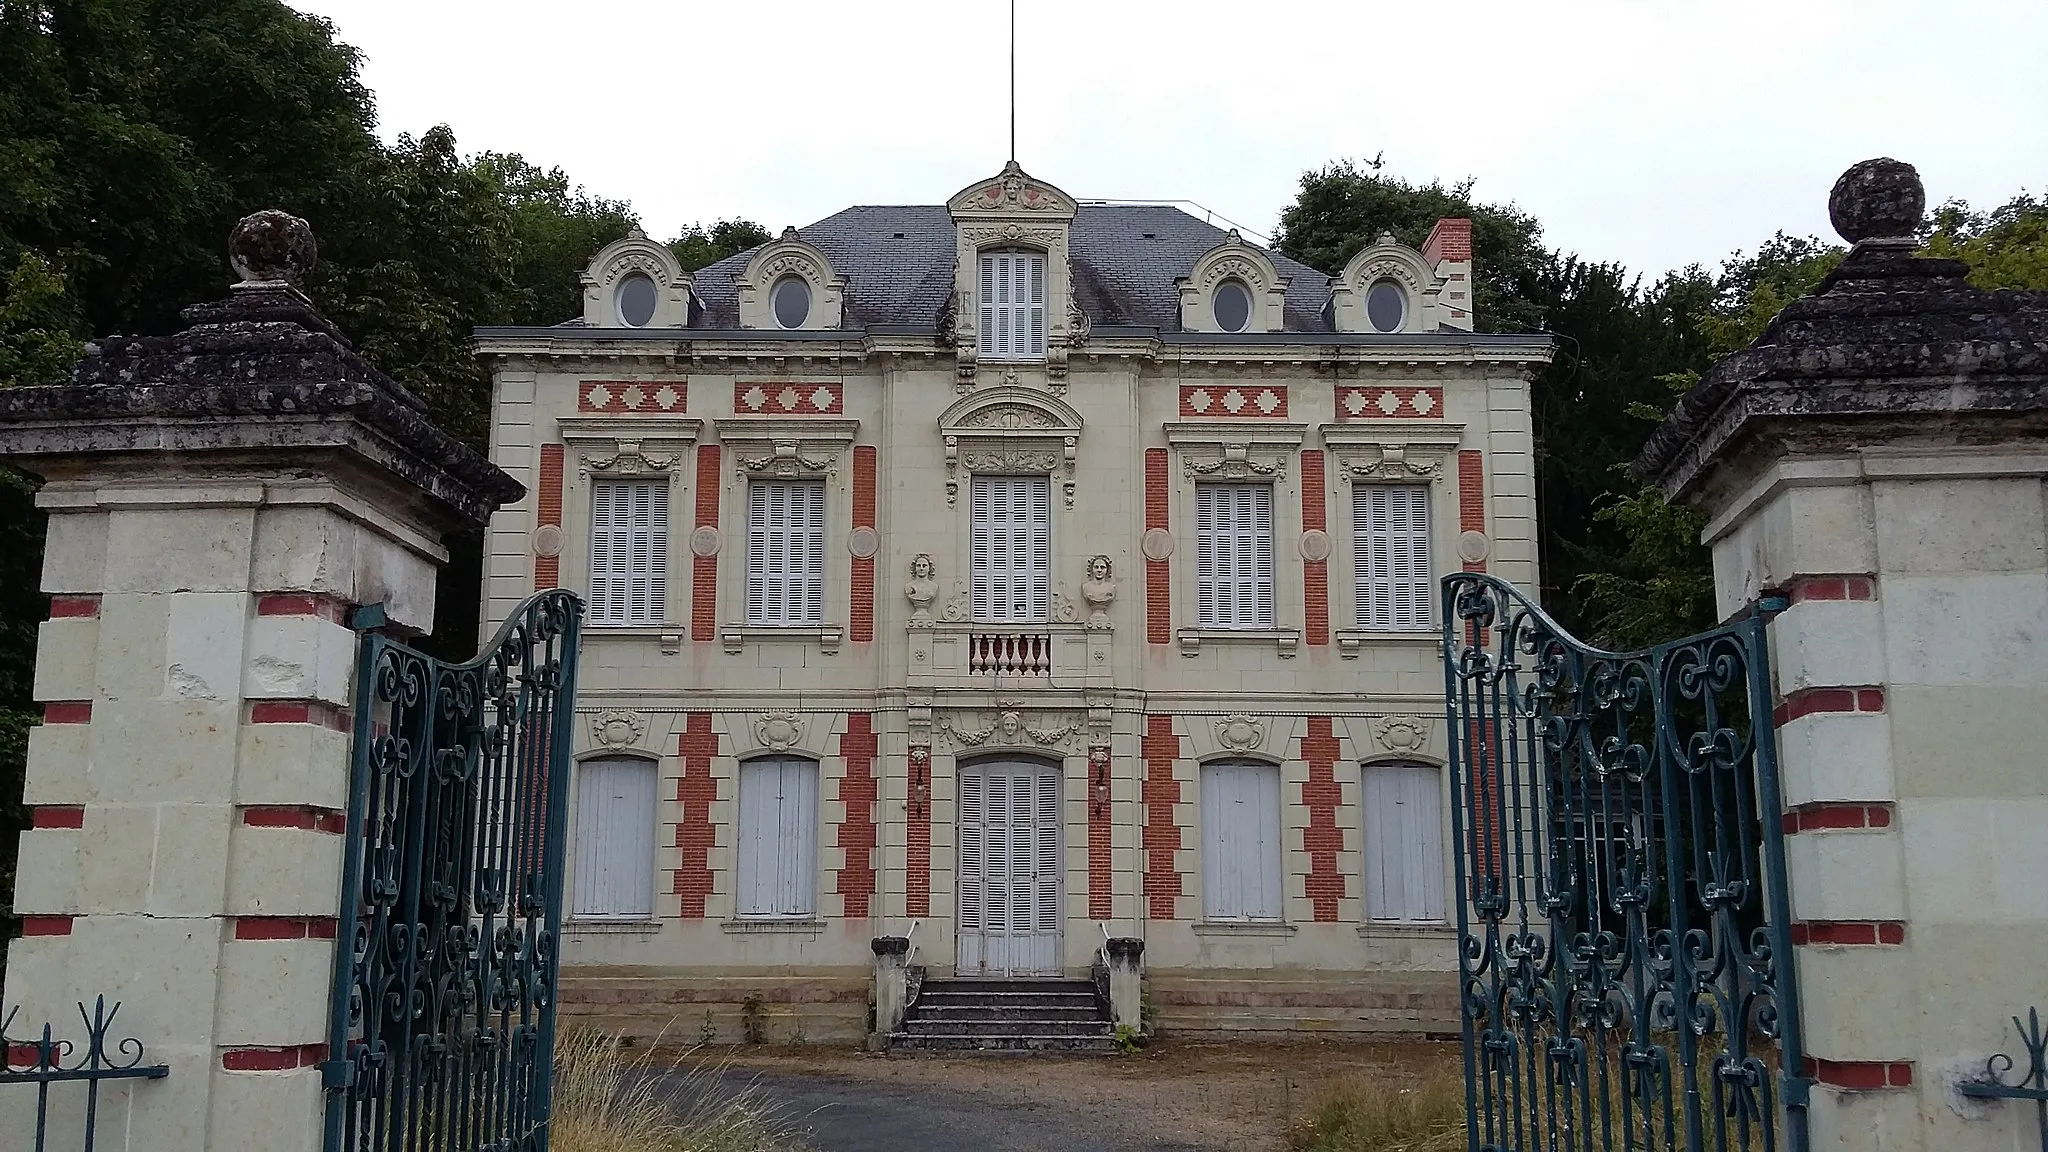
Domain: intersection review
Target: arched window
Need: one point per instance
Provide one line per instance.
(778, 837)
(1404, 843)
(614, 838)
(1241, 841)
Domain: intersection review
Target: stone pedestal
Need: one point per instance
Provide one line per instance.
(1878, 457)
(1126, 981)
(219, 501)
(892, 987)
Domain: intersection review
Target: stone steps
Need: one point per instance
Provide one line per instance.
(1005, 1016)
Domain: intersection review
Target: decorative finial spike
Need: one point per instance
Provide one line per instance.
(1879, 199)
(271, 247)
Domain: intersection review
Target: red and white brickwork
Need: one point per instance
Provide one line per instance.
(696, 791)
(660, 397)
(858, 789)
(1322, 838)
(788, 398)
(1247, 401)
(1162, 835)
(1385, 402)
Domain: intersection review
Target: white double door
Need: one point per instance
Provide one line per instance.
(1010, 870)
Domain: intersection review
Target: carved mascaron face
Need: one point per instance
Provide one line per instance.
(1098, 568)
(921, 567)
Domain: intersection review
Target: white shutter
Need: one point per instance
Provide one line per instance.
(1034, 267)
(1234, 555)
(1390, 539)
(628, 552)
(968, 820)
(987, 336)
(615, 838)
(785, 552)
(778, 836)
(1013, 306)
(1241, 860)
(1010, 549)
(1404, 858)
(1046, 865)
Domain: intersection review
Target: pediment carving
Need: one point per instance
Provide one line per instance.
(1391, 451)
(1010, 429)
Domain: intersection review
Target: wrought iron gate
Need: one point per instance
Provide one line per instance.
(442, 1033)
(1625, 956)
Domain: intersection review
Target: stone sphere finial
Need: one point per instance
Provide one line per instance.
(271, 246)
(1877, 199)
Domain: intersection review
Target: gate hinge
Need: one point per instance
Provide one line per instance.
(367, 617)
(337, 1074)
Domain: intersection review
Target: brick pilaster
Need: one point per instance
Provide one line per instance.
(1322, 837)
(547, 570)
(1158, 576)
(857, 791)
(917, 852)
(861, 626)
(1100, 876)
(1472, 499)
(704, 569)
(1315, 574)
(1162, 835)
(695, 835)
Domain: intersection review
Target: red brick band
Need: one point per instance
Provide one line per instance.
(547, 570)
(694, 835)
(1100, 876)
(1315, 574)
(917, 843)
(1471, 495)
(57, 816)
(273, 1059)
(1861, 1075)
(1162, 836)
(1320, 794)
(862, 625)
(1833, 817)
(46, 925)
(303, 604)
(1854, 933)
(301, 816)
(300, 712)
(72, 607)
(1158, 576)
(1808, 701)
(857, 791)
(67, 712)
(1804, 588)
(704, 569)
(284, 927)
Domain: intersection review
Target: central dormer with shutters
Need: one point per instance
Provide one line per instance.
(1013, 294)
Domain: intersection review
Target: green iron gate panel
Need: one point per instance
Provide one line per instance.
(442, 1034)
(1624, 947)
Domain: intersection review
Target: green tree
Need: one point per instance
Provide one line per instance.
(699, 246)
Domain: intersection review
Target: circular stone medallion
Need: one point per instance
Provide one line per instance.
(863, 543)
(1473, 547)
(1315, 545)
(705, 541)
(1157, 544)
(547, 540)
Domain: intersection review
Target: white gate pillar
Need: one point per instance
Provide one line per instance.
(1878, 457)
(219, 500)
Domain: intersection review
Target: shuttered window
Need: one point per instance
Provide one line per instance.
(1404, 843)
(1390, 536)
(778, 836)
(1241, 841)
(785, 552)
(1010, 549)
(1012, 306)
(1234, 555)
(628, 552)
(615, 839)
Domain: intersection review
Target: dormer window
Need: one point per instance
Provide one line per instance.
(1386, 305)
(791, 300)
(1232, 305)
(635, 296)
(1012, 305)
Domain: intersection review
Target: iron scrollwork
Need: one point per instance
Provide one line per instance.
(1998, 1083)
(46, 1060)
(1624, 958)
(442, 1029)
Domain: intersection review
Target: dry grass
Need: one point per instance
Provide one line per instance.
(607, 1100)
(1382, 1114)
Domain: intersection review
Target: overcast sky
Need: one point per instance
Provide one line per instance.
(1655, 132)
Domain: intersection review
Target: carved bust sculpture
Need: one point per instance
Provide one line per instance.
(922, 589)
(1099, 590)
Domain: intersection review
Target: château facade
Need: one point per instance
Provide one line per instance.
(1022, 570)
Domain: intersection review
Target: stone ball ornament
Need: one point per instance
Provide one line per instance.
(272, 246)
(1877, 199)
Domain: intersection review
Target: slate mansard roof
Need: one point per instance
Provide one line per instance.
(897, 261)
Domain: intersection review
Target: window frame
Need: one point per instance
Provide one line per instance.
(1429, 871)
(589, 833)
(1264, 575)
(1216, 296)
(1036, 314)
(1269, 841)
(804, 868)
(1416, 593)
(983, 583)
(602, 595)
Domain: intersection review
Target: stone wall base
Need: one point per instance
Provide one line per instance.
(1374, 1004)
(679, 1007)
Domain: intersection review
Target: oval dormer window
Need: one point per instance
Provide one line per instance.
(636, 299)
(791, 299)
(1233, 305)
(1386, 306)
